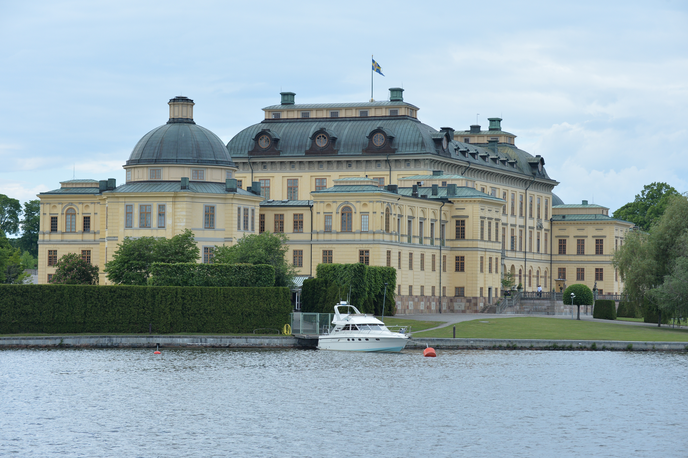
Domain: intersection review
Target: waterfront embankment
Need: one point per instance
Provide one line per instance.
(305, 342)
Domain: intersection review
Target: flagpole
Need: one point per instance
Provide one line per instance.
(371, 77)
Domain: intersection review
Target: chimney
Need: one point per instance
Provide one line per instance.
(102, 185)
(287, 98)
(475, 129)
(231, 185)
(451, 190)
(181, 110)
(414, 191)
(255, 188)
(111, 184)
(585, 202)
(434, 189)
(392, 188)
(185, 182)
(396, 94)
(448, 130)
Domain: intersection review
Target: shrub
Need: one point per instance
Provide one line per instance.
(220, 275)
(628, 310)
(605, 309)
(131, 309)
(582, 295)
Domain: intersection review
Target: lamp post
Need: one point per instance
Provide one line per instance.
(594, 297)
(572, 297)
(384, 300)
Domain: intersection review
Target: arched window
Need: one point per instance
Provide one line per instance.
(537, 278)
(530, 278)
(70, 220)
(387, 216)
(346, 219)
(520, 273)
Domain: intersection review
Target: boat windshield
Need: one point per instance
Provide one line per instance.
(371, 327)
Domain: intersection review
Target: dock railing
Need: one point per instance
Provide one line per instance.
(311, 323)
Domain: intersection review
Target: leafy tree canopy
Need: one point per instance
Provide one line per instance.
(582, 295)
(10, 209)
(648, 206)
(264, 248)
(71, 269)
(131, 262)
(30, 225)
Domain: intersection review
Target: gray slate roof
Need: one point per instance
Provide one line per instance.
(201, 187)
(593, 217)
(288, 203)
(180, 143)
(95, 190)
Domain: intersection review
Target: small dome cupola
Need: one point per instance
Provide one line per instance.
(181, 110)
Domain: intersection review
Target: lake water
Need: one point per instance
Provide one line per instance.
(296, 403)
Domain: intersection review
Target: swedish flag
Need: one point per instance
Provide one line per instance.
(377, 68)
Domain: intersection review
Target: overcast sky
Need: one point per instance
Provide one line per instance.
(598, 88)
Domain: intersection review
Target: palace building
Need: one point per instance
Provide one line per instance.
(366, 182)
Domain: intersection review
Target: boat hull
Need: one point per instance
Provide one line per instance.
(340, 343)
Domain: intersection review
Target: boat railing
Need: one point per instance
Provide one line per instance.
(311, 323)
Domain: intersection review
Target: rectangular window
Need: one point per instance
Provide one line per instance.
(70, 220)
(580, 274)
(503, 238)
(389, 258)
(459, 264)
(538, 242)
(530, 241)
(238, 218)
(520, 240)
(459, 291)
(87, 224)
(265, 188)
(363, 113)
(489, 265)
(52, 257)
(334, 114)
(399, 261)
(432, 291)
(161, 215)
(240, 184)
(208, 254)
(144, 216)
(364, 257)
(513, 204)
(276, 115)
(505, 201)
(279, 223)
(209, 216)
(53, 224)
(129, 218)
(328, 223)
(245, 219)
(489, 231)
(198, 174)
(380, 182)
(562, 246)
(433, 263)
(410, 290)
(128, 175)
(561, 273)
(155, 174)
(410, 261)
(320, 184)
(253, 220)
(482, 230)
(496, 231)
(538, 208)
(298, 258)
(327, 257)
(599, 246)
(530, 206)
(520, 205)
(421, 232)
(460, 228)
(546, 208)
(482, 268)
(422, 261)
(305, 114)
(293, 189)
(86, 256)
(409, 231)
(432, 233)
(422, 290)
(580, 246)
(546, 244)
(394, 112)
(599, 274)
(298, 222)
(513, 240)
(444, 263)
(364, 223)
(261, 223)
(496, 265)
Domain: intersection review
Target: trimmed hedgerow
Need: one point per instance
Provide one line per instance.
(628, 310)
(63, 309)
(221, 275)
(605, 309)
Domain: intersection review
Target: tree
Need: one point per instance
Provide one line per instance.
(648, 206)
(9, 214)
(508, 280)
(265, 248)
(647, 260)
(30, 225)
(131, 262)
(72, 269)
(582, 295)
(672, 295)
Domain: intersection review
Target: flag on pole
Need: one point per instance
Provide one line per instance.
(377, 68)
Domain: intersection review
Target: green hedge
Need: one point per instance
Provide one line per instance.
(651, 314)
(628, 310)
(59, 309)
(366, 283)
(220, 275)
(605, 309)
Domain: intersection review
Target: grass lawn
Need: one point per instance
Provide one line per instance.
(555, 328)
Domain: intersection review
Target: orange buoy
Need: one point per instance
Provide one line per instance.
(429, 352)
(156, 352)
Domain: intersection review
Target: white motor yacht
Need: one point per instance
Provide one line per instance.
(354, 331)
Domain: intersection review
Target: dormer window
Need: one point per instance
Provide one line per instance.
(198, 174)
(363, 113)
(155, 174)
(466, 140)
(394, 112)
(305, 114)
(276, 115)
(334, 114)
